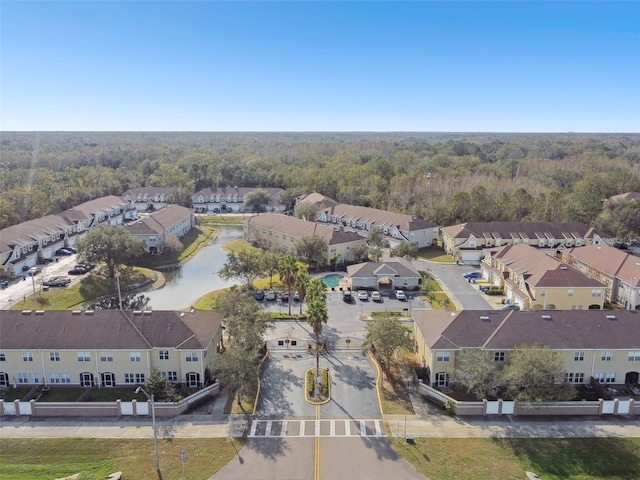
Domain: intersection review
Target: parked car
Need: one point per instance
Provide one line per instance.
(510, 306)
(270, 295)
(78, 270)
(400, 295)
(375, 296)
(296, 296)
(57, 282)
(63, 251)
(34, 271)
(363, 295)
(71, 249)
(347, 296)
(475, 274)
(259, 295)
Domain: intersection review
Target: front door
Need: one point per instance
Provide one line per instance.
(86, 379)
(193, 379)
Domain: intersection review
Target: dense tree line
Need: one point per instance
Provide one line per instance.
(444, 178)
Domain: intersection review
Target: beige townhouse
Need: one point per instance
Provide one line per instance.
(147, 199)
(36, 241)
(604, 345)
(534, 280)
(107, 348)
(397, 227)
(157, 227)
(466, 241)
(231, 199)
(615, 268)
(282, 232)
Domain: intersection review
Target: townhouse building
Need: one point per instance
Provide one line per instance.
(466, 241)
(603, 345)
(618, 270)
(397, 227)
(107, 348)
(387, 275)
(147, 199)
(36, 241)
(534, 280)
(281, 232)
(231, 199)
(157, 227)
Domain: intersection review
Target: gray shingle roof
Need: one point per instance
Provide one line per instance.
(158, 221)
(300, 228)
(524, 229)
(107, 329)
(563, 329)
(395, 267)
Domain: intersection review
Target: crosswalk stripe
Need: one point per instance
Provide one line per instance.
(257, 430)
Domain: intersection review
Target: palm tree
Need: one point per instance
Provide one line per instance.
(316, 290)
(288, 269)
(301, 284)
(317, 316)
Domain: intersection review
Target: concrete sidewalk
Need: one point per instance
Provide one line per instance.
(435, 426)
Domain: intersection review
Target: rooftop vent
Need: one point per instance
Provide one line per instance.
(26, 312)
(88, 312)
(484, 318)
(39, 312)
(546, 317)
(181, 314)
(137, 312)
(564, 267)
(611, 317)
(76, 312)
(147, 312)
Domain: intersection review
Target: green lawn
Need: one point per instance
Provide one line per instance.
(508, 459)
(45, 459)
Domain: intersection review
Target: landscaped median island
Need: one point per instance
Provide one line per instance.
(317, 393)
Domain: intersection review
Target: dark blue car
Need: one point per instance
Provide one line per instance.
(472, 275)
(258, 295)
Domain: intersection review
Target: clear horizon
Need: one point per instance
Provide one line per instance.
(320, 67)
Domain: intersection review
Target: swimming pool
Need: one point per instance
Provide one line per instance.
(332, 280)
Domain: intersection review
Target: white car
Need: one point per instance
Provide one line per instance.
(375, 296)
(363, 295)
(400, 295)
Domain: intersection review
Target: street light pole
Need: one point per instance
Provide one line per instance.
(153, 422)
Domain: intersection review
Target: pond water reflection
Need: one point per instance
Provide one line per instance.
(196, 277)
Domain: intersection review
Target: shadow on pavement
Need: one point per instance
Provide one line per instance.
(274, 384)
(382, 447)
(269, 448)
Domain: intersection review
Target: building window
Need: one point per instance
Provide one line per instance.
(169, 376)
(542, 293)
(27, 357)
(570, 292)
(578, 357)
(596, 293)
(605, 356)
(498, 357)
(192, 357)
(163, 354)
(59, 378)
(54, 356)
(574, 378)
(280, 343)
(3, 357)
(610, 377)
(84, 357)
(135, 357)
(106, 357)
(634, 356)
(443, 357)
(129, 378)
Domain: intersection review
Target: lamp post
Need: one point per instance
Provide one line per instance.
(153, 422)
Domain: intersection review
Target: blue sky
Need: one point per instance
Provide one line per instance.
(320, 66)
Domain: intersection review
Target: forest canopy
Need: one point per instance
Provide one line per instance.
(443, 178)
